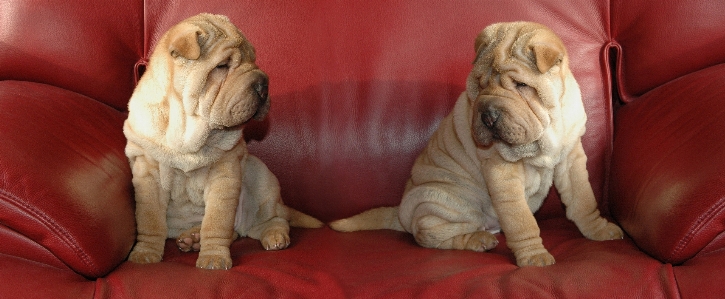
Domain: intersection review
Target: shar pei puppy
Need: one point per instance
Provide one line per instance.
(193, 177)
(514, 132)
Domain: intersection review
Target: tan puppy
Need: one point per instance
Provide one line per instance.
(192, 175)
(515, 130)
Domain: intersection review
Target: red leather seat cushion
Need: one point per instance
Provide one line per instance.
(322, 263)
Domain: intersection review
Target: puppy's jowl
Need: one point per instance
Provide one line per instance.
(193, 177)
(514, 132)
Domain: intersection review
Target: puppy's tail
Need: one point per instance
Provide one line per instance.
(379, 218)
(299, 219)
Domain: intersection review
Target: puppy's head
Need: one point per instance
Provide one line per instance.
(516, 84)
(214, 71)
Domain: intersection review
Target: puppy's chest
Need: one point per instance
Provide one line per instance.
(537, 185)
(186, 187)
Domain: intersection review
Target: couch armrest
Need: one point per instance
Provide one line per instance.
(64, 179)
(668, 171)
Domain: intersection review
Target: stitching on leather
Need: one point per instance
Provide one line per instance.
(61, 233)
(706, 217)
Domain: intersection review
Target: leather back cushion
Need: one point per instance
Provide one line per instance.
(358, 88)
(82, 46)
(668, 179)
(64, 180)
(663, 40)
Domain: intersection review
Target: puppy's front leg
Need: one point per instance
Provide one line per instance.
(221, 197)
(151, 203)
(572, 181)
(505, 183)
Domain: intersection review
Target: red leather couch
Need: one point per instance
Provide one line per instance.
(357, 88)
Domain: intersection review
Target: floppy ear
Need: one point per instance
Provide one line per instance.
(482, 40)
(546, 56)
(481, 43)
(185, 43)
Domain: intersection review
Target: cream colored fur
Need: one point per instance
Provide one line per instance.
(193, 177)
(513, 133)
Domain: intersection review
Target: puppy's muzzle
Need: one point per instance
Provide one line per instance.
(498, 122)
(489, 117)
(249, 98)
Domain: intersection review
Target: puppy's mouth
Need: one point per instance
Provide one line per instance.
(526, 150)
(513, 134)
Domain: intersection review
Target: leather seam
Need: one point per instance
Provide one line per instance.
(61, 233)
(695, 228)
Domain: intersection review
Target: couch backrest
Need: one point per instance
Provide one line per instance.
(85, 46)
(660, 41)
(357, 88)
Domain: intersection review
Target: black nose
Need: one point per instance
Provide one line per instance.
(261, 87)
(490, 117)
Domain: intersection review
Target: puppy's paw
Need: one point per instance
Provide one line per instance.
(478, 241)
(144, 256)
(214, 262)
(538, 260)
(609, 232)
(275, 239)
(189, 240)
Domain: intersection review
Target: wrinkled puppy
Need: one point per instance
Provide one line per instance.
(193, 177)
(515, 130)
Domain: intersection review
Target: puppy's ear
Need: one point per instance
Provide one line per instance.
(546, 56)
(482, 41)
(186, 43)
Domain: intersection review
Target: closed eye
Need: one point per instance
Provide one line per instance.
(223, 65)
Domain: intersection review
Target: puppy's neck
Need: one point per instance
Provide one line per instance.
(215, 146)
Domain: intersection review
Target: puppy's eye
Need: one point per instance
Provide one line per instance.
(520, 84)
(223, 65)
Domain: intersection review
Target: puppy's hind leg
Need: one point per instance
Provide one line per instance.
(435, 232)
(442, 220)
(273, 233)
(261, 208)
(189, 240)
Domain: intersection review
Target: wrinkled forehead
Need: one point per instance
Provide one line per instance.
(508, 42)
(218, 31)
